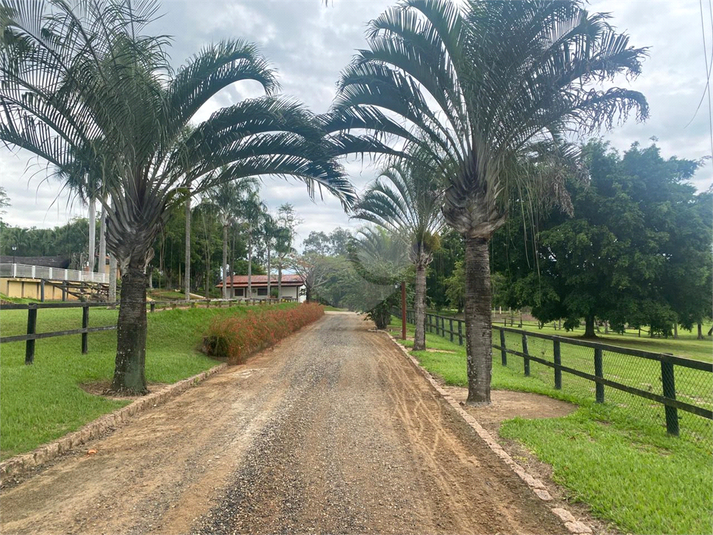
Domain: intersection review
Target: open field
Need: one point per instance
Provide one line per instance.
(44, 401)
(626, 469)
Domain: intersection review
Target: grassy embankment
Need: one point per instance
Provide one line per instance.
(621, 463)
(44, 401)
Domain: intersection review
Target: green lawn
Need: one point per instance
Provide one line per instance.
(42, 402)
(624, 466)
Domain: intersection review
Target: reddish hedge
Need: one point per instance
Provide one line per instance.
(236, 337)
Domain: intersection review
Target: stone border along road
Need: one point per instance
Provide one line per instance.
(332, 431)
(571, 523)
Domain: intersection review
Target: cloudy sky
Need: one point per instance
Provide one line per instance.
(309, 43)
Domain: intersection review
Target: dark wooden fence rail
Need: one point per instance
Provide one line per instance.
(32, 308)
(437, 324)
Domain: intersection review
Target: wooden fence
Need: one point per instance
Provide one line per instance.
(32, 308)
(454, 329)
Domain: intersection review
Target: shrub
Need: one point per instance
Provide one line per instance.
(236, 337)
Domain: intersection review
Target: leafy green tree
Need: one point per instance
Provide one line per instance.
(334, 244)
(484, 86)
(635, 252)
(406, 200)
(82, 82)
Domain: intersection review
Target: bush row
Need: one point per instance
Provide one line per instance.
(236, 337)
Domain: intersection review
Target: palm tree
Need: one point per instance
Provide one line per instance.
(285, 235)
(481, 85)
(381, 259)
(253, 210)
(82, 82)
(407, 201)
(227, 198)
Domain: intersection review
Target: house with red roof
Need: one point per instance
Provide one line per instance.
(292, 287)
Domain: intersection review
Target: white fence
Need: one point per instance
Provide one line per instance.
(24, 271)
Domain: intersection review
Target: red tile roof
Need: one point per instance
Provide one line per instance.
(241, 281)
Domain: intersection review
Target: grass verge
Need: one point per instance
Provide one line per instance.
(629, 472)
(42, 402)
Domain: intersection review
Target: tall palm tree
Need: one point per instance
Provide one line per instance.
(82, 81)
(406, 200)
(227, 198)
(479, 84)
(253, 210)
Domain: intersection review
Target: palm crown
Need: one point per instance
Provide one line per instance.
(477, 86)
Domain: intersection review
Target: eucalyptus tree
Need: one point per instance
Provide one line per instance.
(82, 80)
(406, 200)
(227, 198)
(481, 85)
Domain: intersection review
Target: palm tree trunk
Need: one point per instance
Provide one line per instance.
(225, 261)
(129, 374)
(419, 339)
(92, 233)
(478, 322)
(232, 261)
(113, 266)
(187, 276)
(269, 272)
(101, 264)
(279, 280)
(250, 270)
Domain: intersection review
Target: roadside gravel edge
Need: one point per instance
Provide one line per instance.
(26, 462)
(571, 523)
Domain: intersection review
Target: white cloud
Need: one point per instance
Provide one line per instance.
(309, 43)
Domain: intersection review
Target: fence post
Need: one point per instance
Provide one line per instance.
(451, 323)
(31, 329)
(153, 306)
(85, 325)
(503, 351)
(558, 363)
(526, 361)
(669, 391)
(599, 372)
(460, 332)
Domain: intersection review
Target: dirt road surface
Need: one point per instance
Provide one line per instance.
(332, 431)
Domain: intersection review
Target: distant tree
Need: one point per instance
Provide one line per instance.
(334, 244)
(635, 252)
(287, 222)
(4, 201)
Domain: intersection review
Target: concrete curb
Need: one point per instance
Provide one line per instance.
(571, 523)
(21, 464)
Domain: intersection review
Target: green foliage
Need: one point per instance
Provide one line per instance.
(69, 240)
(636, 252)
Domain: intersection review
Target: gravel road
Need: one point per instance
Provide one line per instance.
(332, 431)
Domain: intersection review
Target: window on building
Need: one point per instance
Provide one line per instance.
(239, 292)
(262, 291)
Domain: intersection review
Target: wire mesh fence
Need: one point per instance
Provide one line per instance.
(646, 388)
